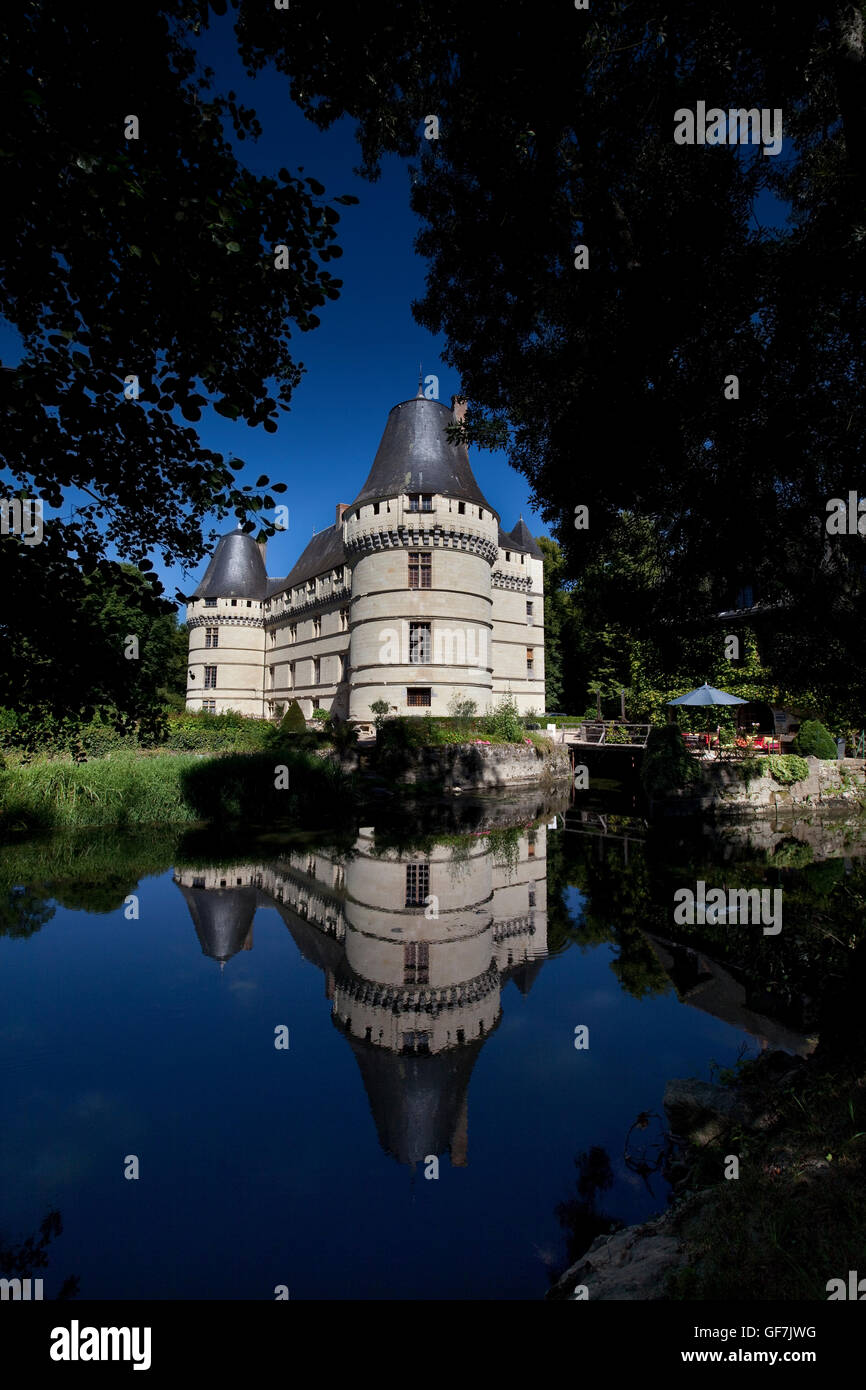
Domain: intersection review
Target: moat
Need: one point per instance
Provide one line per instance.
(332, 1058)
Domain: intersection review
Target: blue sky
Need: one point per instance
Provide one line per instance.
(364, 357)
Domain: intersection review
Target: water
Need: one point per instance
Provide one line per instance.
(145, 982)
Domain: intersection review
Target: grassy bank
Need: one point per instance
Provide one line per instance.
(796, 1216)
(128, 790)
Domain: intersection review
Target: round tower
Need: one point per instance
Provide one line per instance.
(422, 541)
(226, 633)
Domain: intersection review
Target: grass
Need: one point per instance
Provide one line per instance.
(128, 790)
(796, 1216)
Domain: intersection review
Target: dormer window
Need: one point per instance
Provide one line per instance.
(508, 556)
(420, 502)
(461, 508)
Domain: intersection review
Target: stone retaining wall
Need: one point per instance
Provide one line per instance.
(835, 786)
(472, 765)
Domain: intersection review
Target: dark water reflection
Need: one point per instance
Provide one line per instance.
(428, 975)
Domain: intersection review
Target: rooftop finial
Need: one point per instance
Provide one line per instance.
(420, 395)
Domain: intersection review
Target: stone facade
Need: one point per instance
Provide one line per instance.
(414, 596)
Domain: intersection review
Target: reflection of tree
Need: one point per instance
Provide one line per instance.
(22, 1261)
(647, 1147)
(24, 911)
(619, 905)
(580, 1216)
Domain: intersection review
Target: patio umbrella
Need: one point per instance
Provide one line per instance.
(709, 695)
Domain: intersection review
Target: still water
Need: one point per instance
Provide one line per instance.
(348, 1067)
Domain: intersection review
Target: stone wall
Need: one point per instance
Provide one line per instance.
(477, 765)
(831, 785)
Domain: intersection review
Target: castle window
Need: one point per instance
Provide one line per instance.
(529, 611)
(273, 636)
(530, 844)
(210, 677)
(530, 660)
(293, 632)
(416, 957)
(344, 667)
(420, 502)
(210, 603)
(344, 619)
(317, 627)
(420, 569)
(198, 883)
(419, 644)
(480, 513)
(417, 884)
(532, 897)
(375, 508)
(291, 675)
(418, 696)
(209, 706)
(234, 603)
(211, 636)
(508, 556)
(461, 508)
(339, 575)
(317, 671)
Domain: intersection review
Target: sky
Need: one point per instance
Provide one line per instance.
(362, 360)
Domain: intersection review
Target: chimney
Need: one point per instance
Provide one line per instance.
(263, 551)
(458, 408)
(341, 507)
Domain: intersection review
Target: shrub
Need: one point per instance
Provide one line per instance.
(786, 768)
(667, 764)
(293, 721)
(380, 710)
(503, 721)
(462, 708)
(814, 740)
(322, 716)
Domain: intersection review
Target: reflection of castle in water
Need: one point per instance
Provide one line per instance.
(415, 949)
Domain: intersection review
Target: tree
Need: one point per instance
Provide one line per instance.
(104, 640)
(702, 376)
(135, 245)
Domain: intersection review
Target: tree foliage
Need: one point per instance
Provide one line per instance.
(608, 384)
(149, 256)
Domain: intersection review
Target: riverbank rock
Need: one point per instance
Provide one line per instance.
(701, 1112)
(632, 1264)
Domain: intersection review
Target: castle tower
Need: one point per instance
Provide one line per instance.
(422, 541)
(413, 595)
(226, 633)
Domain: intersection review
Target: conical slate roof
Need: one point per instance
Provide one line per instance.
(415, 456)
(222, 918)
(522, 538)
(236, 570)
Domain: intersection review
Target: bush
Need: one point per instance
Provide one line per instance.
(503, 721)
(786, 768)
(322, 716)
(380, 710)
(216, 733)
(293, 721)
(814, 740)
(667, 764)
